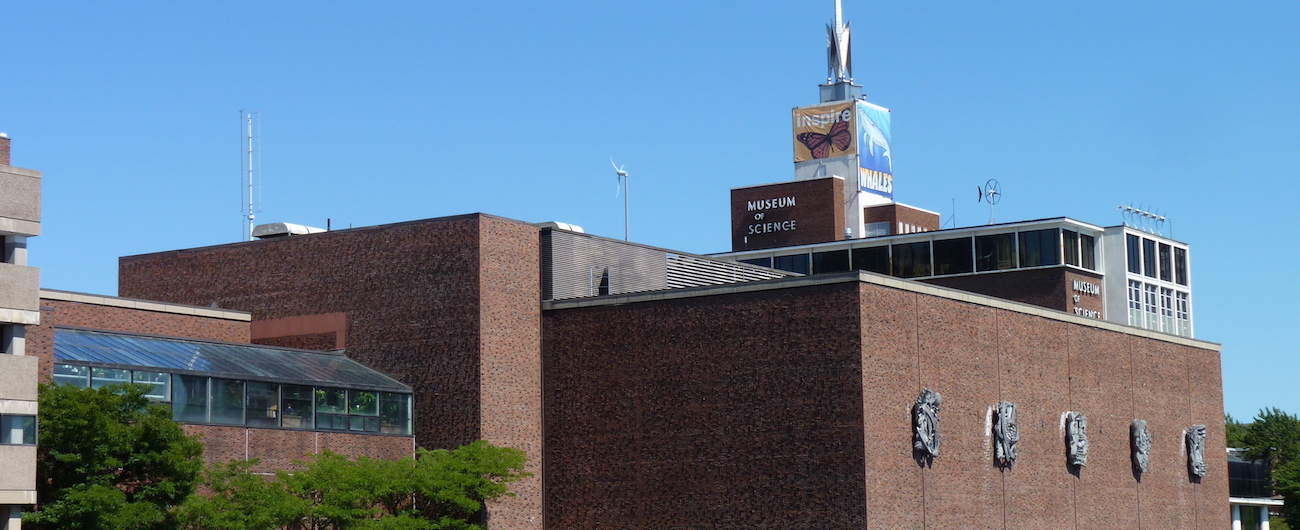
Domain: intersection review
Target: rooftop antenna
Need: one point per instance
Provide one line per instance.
(1150, 222)
(250, 171)
(990, 193)
(622, 180)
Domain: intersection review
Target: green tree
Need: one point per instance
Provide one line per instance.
(1236, 431)
(438, 490)
(1274, 437)
(108, 458)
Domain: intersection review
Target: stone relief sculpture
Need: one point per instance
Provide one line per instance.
(925, 423)
(1076, 438)
(1006, 434)
(1141, 438)
(1196, 450)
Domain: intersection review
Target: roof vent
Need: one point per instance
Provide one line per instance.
(270, 230)
(561, 226)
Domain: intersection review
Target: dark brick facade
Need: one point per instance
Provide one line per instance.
(900, 213)
(1047, 287)
(740, 411)
(449, 306)
(816, 215)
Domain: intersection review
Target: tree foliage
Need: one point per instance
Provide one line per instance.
(441, 490)
(1273, 437)
(109, 458)
(1236, 431)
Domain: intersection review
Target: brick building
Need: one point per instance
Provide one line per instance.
(192, 357)
(739, 404)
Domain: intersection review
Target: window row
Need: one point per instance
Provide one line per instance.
(17, 429)
(1156, 260)
(941, 257)
(202, 399)
(1159, 309)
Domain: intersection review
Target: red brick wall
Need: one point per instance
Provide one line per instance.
(450, 306)
(818, 214)
(726, 412)
(706, 413)
(279, 448)
(1050, 287)
(40, 339)
(899, 213)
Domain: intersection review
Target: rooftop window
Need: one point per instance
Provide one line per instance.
(234, 384)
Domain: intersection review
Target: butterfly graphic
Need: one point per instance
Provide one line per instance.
(820, 144)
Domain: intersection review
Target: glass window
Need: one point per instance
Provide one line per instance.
(1184, 314)
(337, 422)
(17, 430)
(1038, 248)
(102, 377)
(159, 389)
(1088, 252)
(331, 400)
(1134, 253)
(1167, 309)
(67, 374)
(227, 401)
(363, 403)
(875, 229)
(1070, 240)
(833, 261)
(1149, 258)
(1135, 315)
(1166, 268)
(1152, 307)
(1180, 266)
(873, 259)
(331, 409)
(296, 401)
(263, 404)
(953, 256)
(912, 260)
(363, 423)
(190, 400)
(394, 413)
(761, 262)
(796, 263)
(996, 252)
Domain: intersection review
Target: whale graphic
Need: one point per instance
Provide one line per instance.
(872, 136)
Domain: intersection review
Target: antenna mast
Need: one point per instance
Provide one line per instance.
(250, 160)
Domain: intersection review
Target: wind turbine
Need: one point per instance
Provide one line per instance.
(622, 180)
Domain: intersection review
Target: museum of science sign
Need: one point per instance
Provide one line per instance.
(788, 213)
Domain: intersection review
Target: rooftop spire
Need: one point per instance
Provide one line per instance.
(839, 53)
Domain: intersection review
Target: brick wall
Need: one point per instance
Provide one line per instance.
(279, 448)
(449, 306)
(4, 151)
(1050, 287)
(727, 411)
(900, 213)
(706, 413)
(817, 214)
(40, 339)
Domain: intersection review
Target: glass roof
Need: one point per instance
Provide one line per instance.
(218, 359)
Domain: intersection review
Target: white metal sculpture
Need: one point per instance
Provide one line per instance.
(839, 53)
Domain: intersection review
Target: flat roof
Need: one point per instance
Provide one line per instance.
(249, 362)
(145, 305)
(877, 279)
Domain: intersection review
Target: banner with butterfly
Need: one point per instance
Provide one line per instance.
(825, 132)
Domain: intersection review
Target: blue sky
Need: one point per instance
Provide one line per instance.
(383, 112)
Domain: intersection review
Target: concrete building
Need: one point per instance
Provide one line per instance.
(20, 218)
